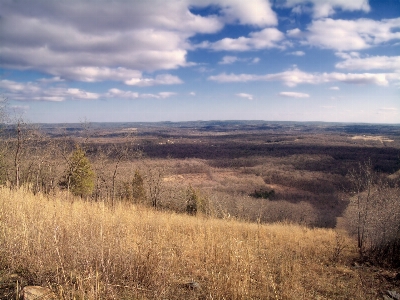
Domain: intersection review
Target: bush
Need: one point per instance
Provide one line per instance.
(264, 194)
(197, 202)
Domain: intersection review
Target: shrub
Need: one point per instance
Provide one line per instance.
(264, 194)
(191, 201)
(79, 176)
(138, 191)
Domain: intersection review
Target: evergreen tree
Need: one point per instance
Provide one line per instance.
(79, 176)
(138, 192)
(192, 201)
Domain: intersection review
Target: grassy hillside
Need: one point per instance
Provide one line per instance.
(85, 250)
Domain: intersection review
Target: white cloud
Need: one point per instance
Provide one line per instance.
(19, 87)
(51, 46)
(370, 63)
(325, 8)
(30, 91)
(165, 79)
(87, 41)
(295, 76)
(348, 55)
(244, 95)
(295, 33)
(294, 95)
(51, 80)
(347, 35)
(290, 78)
(117, 93)
(228, 60)
(297, 53)
(94, 74)
(81, 94)
(223, 77)
(192, 94)
(255, 12)
(264, 39)
(166, 94)
(112, 93)
(334, 88)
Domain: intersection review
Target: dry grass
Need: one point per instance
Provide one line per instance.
(84, 250)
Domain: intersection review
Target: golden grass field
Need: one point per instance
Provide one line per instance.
(85, 250)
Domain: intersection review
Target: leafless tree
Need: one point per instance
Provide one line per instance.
(154, 179)
(374, 214)
(362, 184)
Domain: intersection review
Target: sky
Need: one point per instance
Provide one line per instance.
(187, 60)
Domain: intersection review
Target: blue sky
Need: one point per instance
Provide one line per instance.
(182, 60)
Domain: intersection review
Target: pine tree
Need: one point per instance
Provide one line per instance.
(138, 192)
(79, 176)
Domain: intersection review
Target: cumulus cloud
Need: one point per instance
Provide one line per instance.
(264, 39)
(298, 53)
(15, 87)
(223, 77)
(114, 93)
(256, 12)
(159, 79)
(295, 33)
(295, 76)
(80, 94)
(31, 91)
(166, 94)
(294, 95)
(95, 74)
(117, 93)
(325, 8)
(38, 91)
(347, 35)
(228, 59)
(244, 95)
(62, 38)
(370, 63)
(51, 80)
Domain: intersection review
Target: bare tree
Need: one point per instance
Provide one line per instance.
(362, 184)
(154, 178)
(4, 142)
(374, 214)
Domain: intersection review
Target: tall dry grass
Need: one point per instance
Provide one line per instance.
(84, 250)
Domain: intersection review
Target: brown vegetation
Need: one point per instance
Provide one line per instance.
(85, 250)
(127, 239)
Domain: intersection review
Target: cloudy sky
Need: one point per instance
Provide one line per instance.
(180, 60)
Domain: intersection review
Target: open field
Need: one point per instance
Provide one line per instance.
(85, 250)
